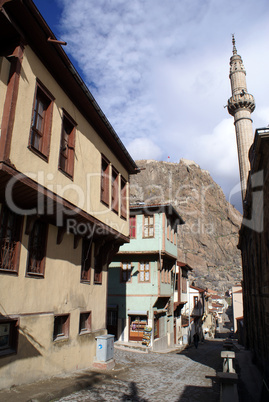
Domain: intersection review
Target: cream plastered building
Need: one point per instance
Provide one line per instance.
(64, 188)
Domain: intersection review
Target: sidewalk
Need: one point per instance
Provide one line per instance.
(250, 378)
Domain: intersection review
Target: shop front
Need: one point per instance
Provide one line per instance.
(138, 320)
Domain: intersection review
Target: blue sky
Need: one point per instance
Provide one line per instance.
(160, 72)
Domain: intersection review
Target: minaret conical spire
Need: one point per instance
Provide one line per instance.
(241, 105)
(234, 47)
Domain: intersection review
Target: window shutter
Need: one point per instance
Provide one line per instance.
(105, 181)
(123, 198)
(115, 191)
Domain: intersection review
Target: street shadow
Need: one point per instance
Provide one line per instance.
(223, 335)
(28, 349)
(132, 394)
(200, 394)
(208, 353)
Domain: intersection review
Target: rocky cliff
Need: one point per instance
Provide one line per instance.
(208, 239)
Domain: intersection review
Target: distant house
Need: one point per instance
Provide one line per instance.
(193, 313)
(64, 209)
(237, 300)
(211, 316)
(181, 298)
(142, 277)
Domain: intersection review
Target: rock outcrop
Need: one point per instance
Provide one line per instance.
(208, 239)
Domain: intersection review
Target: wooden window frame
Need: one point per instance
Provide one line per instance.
(184, 288)
(105, 179)
(85, 317)
(172, 235)
(86, 261)
(12, 325)
(115, 190)
(41, 249)
(176, 282)
(64, 321)
(132, 227)
(123, 198)
(132, 223)
(98, 266)
(67, 147)
(10, 240)
(128, 272)
(168, 229)
(140, 271)
(112, 317)
(147, 226)
(41, 94)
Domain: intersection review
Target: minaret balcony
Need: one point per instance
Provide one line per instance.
(243, 100)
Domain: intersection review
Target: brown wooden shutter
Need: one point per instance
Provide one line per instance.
(123, 198)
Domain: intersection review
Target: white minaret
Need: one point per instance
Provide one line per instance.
(241, 105)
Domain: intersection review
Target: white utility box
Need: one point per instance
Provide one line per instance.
(104, 347)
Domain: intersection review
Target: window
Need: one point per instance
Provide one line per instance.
(195, 301)
(144, 272)
(85, 322)
(105, 181)
(40, 133)
(98, 265)
(37, 249)
(176, 282)
(86, 260)
(10, 235)
(8, 336)
(61, 327)
(123, 208)
(114, 191)
(168, 230)
(148, 226)
(112, 318)
(126, 269)
(184, 281)
(162, 278)
(67, 147)
(132, 227)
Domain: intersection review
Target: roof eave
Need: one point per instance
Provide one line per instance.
(36, 34)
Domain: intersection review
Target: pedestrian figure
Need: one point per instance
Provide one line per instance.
(196, 339)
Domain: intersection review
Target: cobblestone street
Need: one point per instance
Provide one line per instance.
(144, 377)
(189, 375)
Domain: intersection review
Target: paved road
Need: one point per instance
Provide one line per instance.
(147, 377)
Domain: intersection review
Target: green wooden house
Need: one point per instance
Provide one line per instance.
(141, 278)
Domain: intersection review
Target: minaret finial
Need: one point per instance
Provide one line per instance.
(234, 48)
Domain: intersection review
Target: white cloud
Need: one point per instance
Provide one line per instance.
(160, 72)
(144, 148)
